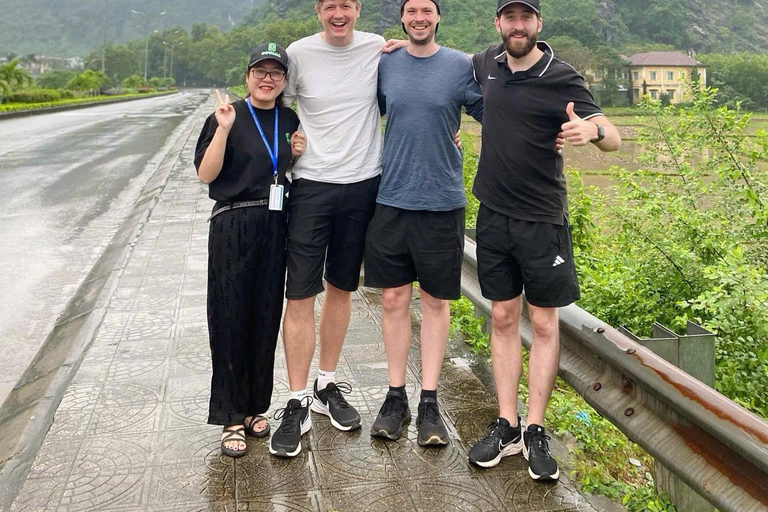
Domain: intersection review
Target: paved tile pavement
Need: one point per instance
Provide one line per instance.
(130, 434)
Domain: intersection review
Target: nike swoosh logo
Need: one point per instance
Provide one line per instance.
(502, 446)
(492, 77)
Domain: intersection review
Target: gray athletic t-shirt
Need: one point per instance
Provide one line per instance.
(335, 91)
(422, 98)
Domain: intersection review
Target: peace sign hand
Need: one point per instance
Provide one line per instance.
(225, 112)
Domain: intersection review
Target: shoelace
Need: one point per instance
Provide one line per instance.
(336, 395)
(539, 444)
(391, 404)
(287, 413)
(490, 436)
(431, 412)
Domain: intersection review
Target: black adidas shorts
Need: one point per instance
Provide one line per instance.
(404, 246)
(515, 255)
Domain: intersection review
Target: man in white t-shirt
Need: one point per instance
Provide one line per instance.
(332, 77)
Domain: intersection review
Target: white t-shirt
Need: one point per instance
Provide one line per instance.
(335, 90)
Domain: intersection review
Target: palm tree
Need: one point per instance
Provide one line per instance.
(5, 90)
(14, 76)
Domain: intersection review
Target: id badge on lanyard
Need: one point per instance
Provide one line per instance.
(276, 192)
(276, 195)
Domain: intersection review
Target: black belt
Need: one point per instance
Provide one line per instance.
(239, 204)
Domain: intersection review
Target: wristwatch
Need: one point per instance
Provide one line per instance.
(600, 134)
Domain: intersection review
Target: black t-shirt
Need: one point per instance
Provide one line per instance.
(246, 174)
(520, 173)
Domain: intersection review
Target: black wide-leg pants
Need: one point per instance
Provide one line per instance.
(246, 280)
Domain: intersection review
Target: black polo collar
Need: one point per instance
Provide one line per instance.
(537, 70)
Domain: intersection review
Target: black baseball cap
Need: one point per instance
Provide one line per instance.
(533, 4)
(402, 8)
(403, 2)
(269, 51)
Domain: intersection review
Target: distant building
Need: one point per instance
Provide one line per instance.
(652, 73)
(38, 64)
(657, 73)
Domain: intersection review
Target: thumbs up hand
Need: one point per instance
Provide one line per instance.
(577, 131)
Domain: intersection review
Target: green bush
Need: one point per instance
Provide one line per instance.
(34, 96)
(133, 82)
(470, 166)
(686, 238)
(156, 82)
(89, 81)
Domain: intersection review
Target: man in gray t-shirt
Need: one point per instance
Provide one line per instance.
(417, 231)
(332, 78)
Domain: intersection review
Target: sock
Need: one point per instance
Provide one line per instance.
(298, 395)
(428, 394)
(399, 389)
(511, 424)
(324, 378)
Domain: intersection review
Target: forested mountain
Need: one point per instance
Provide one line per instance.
(66, 28)
(700, 25)
(73, 27)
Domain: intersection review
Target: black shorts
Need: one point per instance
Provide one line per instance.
(327, 223)
(404, 246)
(513, 255)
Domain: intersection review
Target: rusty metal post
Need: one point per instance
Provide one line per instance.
(693, 353)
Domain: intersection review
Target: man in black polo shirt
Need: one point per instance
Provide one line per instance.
(523, 240)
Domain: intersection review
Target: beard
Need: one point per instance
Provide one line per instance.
(424, 40)
(519, 50)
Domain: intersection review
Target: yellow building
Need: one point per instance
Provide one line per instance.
(658, 73)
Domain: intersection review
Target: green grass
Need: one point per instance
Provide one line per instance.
(16, 107)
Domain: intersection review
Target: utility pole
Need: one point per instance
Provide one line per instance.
(147, 15)
(104, 47)
(172, 48)
(172, 45)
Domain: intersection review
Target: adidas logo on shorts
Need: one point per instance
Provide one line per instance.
(558, 261)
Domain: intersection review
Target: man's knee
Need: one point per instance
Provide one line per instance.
(395, 299)
(432, 304)
(544, 323)
(505, 317)
(336, 295)
(300, 307)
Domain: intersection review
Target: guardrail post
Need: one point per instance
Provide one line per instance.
(693, 353)
(697, 353)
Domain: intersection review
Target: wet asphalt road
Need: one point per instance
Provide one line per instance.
(67, 181)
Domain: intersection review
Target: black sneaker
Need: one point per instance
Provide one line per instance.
(331, 402)
(501, 440)
(286, 440)
(432, 431)
(393, 416)
(541, 464)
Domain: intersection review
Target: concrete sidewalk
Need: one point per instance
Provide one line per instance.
(130, 433)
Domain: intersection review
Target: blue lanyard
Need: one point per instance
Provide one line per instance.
(272, 154)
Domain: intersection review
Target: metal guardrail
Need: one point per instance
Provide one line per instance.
(718, 448)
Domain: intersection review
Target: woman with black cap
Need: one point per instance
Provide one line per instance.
(243, 153)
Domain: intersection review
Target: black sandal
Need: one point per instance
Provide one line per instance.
(256, 419)
(237, 434)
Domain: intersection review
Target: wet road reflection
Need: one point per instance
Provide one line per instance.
(67, 180)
